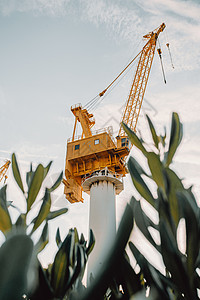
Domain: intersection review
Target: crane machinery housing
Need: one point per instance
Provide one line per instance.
(96, 150)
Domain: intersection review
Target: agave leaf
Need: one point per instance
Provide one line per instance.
(44, 239)
(174, 185)
(57, 183)
(15, 257)
(80, 265)
(156, 168)
(5, 220)
(128, 279)
(35, 186)
(44, 210)
(29, 175)
(139, 183)
(192, 230)
(134, 139)
(58, 238)
(175, 137)
(43, 287)
(54, 214)
(174, 262)
(46, 169)
(91, 243)
(21, 221)
(60, 272)
(143, 222)
(76, 237)
(153, 132)
(16, 172)
(152, 276)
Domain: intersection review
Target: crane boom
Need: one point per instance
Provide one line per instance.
(136, 95)
(4, 169)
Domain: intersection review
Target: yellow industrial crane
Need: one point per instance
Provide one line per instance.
(96, 150)
(3, 170)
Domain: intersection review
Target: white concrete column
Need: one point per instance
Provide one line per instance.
(102, 216)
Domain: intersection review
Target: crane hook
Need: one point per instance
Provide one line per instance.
(170, 55)
(159, 53)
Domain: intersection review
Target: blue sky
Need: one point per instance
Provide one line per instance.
(59, 52)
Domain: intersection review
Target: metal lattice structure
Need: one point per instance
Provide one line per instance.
(136, 95)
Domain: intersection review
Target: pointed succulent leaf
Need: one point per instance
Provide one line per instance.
(175, 137)
(29, 175)
(44, 239)
(174, 262)
(153, 132)
(156, 168)
(46, 169)
(139, 183)
(56, 213)
(126, 276)
(35, 186)
(143, 222)
(15, 258)
(174, 185)
(21, 221)
(139, 168)
(42, 288)
(57, 183)
(60, 271)
(91, 243)
(82, 240)
(76, 237)
(192, 231)
(16, 172)
(58, 238)
(80, 265)
(5, 219)
(44, 210)
(134, 139)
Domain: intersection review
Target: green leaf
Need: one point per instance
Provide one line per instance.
(58, 238)
(134, 139)
(174, 185)
(44, 239)
(44, 210)
(29, 176)
(35, 186)
(57, 183)
(143, 222)
(80, 265)
(139, 183)
(173, 260)
(61, 268)
(153, 132)
(54, 214)
(156, 168)
(46, 169)
(5, 220)
(175, 137)
(16, 172)
(42, 288)
(15, 258)
(91, 243)
(192, 231)
(21, 221)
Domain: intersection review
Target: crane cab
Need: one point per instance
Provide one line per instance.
(123, 141)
